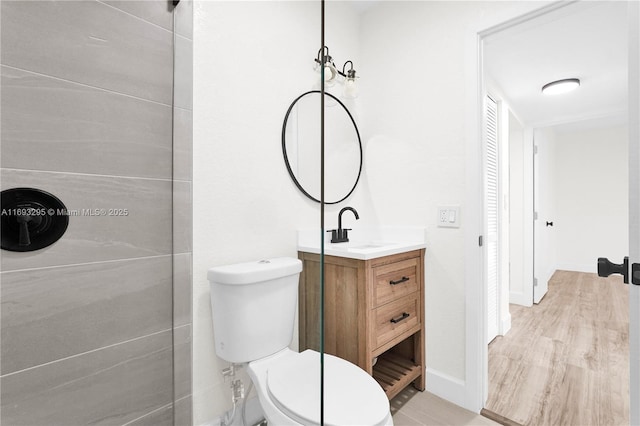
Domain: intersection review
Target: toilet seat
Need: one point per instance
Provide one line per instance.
(351, 395)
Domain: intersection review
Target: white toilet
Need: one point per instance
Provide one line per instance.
(254, 306)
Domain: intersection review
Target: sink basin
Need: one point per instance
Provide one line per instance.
(371, 245)
(361, 245)
(365, 243)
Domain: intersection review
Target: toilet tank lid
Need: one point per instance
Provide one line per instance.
(253, 272)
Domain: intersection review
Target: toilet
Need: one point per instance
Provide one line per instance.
(254, 307)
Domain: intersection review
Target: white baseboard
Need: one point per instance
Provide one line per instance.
(446, 387)
(550, 273)
(519, 299)
(577, 267)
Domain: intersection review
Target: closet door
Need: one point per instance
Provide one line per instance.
(491, 224)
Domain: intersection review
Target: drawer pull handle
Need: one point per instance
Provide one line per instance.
(400, 281)
(396, 320)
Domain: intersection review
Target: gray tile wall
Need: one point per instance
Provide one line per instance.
(182, 214)
(96, 329)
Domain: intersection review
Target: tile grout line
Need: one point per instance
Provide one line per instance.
(96, 175)
(128, 259)
(86, 85)
(183, 398)
(89, 174)
(144, 20)
(134, 16)
(149, 413)
(85, 353)
(158, 409)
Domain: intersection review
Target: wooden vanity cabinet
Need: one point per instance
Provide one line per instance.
(373, 313)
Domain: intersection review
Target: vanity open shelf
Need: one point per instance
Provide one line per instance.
(394, 372)
(374, 314)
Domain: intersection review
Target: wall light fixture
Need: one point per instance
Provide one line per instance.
(347, 77)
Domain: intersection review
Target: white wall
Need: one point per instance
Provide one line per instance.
(591, 173)
(415, 153)
(251, 59)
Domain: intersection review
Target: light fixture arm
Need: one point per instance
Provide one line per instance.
(324, 57)
(329, 73)
(350, 73)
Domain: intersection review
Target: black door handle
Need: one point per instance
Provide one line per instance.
(606, 268)
(549, 223)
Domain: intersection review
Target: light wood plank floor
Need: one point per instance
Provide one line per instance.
(411, 407)
(566, 360)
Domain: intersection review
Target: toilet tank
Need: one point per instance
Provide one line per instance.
(253, 306)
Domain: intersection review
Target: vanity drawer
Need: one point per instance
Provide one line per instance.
(394, 280)
(395, 318)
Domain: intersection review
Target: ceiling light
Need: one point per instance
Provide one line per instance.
(560, 86)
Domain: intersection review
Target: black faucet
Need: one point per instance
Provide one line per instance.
(341, 235)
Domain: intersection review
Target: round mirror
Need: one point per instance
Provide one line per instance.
(342, 147)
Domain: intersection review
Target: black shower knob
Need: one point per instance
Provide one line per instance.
(31, 219)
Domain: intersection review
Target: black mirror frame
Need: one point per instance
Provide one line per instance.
(286, 158)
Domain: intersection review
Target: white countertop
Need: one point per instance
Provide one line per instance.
(365, 244)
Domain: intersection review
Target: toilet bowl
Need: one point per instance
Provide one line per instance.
(253, 306)
(288, 387)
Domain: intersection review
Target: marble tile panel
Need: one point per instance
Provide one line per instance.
(182, 289)
(184, 19)
(183, 144)
(183, 96)
(182, 217)
(157, 12)
(53, 313)
(110, 386)
(183, 412)
(182, 361)
(91, 43)
(111, 218)
(53, 125)
(160, 417)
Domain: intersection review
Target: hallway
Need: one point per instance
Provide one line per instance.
(565, 361)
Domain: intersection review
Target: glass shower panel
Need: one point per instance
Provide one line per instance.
(252, 59)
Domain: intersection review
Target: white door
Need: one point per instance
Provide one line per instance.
(542, 216)
(491, 203)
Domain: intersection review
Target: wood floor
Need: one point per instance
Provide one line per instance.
(566, 360)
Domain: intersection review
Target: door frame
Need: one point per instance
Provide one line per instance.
(476, 350)
(634, 206)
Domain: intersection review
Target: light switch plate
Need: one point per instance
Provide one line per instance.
(448, 216)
